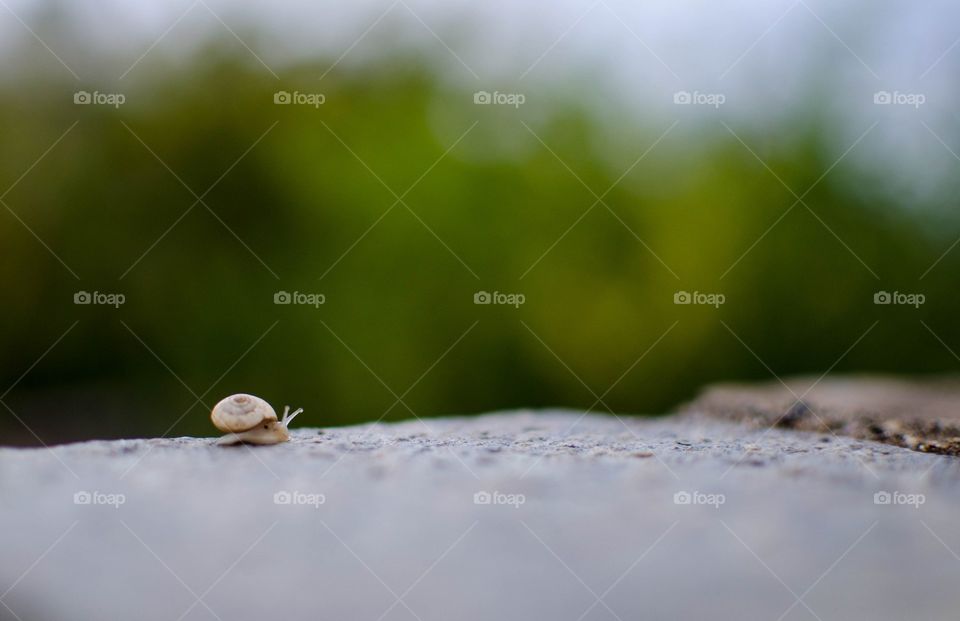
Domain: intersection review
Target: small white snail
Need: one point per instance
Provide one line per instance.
(250, 419)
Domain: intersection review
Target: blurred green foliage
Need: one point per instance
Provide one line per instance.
(312, 207)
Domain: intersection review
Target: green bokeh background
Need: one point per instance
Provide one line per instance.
(200, 319)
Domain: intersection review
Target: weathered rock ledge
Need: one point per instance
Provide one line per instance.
(923, 415)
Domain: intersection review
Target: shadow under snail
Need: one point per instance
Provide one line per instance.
(249, 419)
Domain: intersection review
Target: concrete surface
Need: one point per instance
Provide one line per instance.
(584, 522)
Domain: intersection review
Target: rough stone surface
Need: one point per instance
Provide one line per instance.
(921, 415)
(599, 534)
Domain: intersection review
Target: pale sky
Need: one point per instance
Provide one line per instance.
(768, 58)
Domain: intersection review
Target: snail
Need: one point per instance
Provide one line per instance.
(250, 419)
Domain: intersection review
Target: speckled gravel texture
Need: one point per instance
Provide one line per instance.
(586, 519)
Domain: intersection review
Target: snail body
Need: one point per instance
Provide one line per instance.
(249, 419)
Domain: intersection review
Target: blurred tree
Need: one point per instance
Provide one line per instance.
(200, 199)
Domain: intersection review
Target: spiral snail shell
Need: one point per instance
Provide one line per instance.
(250, 419)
